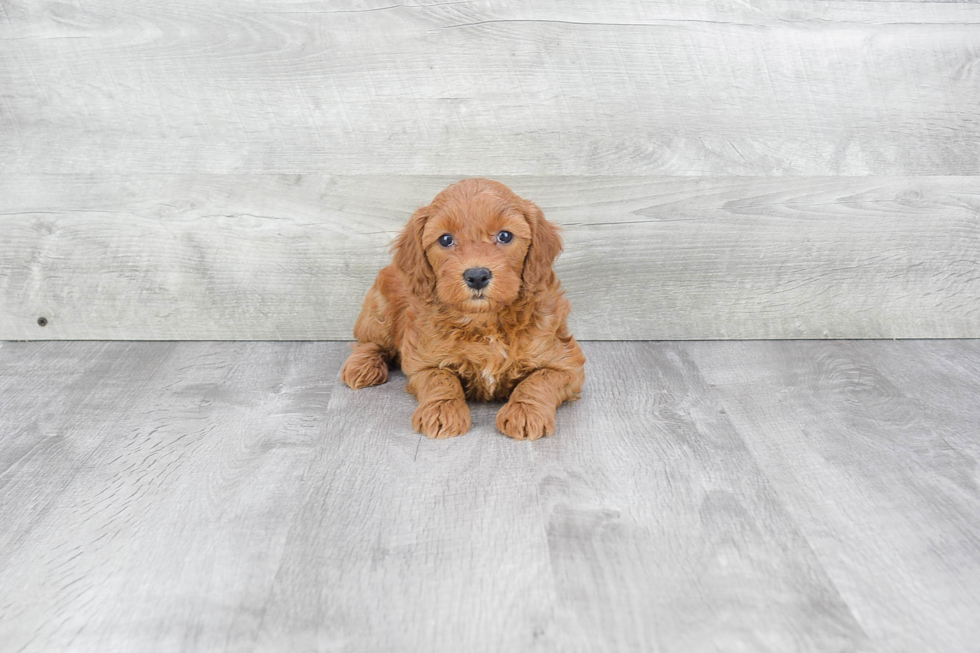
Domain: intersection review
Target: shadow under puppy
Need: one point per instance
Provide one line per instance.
(471, 307)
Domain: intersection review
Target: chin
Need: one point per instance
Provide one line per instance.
(478, 305)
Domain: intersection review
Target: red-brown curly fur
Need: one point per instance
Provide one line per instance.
(506, 341)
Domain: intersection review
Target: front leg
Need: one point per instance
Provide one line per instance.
(442, 411)
(368, 363)
(530, 412)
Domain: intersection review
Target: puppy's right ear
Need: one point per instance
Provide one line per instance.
(409, 256)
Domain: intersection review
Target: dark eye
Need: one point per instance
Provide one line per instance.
(446, 240)
(505, 237)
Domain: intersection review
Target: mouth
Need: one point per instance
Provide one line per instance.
(477, 302)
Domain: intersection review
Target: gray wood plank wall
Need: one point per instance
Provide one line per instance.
(236, 169)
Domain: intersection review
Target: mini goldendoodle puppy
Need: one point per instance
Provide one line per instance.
(471, 307)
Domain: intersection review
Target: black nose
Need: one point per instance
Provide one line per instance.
(477, 278)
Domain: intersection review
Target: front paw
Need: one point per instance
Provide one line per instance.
(525, 421)
(442, 419)
(364, 369)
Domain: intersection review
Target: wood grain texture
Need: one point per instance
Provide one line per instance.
(663, 533)
(591, 542)
(233, 497)
(147, 489)
(170, 170)
(291, 256)
(787, 87)
(872, 448)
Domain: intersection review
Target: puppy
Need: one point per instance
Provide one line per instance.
(471, 308)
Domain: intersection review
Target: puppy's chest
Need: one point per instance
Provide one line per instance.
(488, 367)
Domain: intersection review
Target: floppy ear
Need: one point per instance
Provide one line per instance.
(544, 248)
(409, 256)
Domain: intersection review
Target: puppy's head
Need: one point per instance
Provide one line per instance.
(477, 247)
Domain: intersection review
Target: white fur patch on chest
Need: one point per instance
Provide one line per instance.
(488, 379)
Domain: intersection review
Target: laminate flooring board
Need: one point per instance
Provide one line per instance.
(404, 543)
(664, 534)
(877, 465)
(701, 496)
(940, 385)
(58, 405)
(168, 498)
(644, 525)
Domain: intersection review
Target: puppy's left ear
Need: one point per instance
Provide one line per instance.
(545, 247)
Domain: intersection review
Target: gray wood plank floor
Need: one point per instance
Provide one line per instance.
(702, 496)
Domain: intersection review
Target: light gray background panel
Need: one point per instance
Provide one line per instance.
(771, 169)
(491, 87)
(291, 256)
